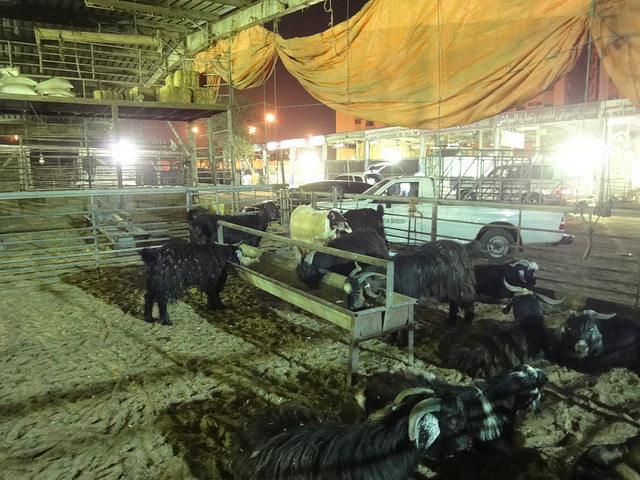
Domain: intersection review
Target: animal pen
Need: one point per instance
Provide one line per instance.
(90, 390)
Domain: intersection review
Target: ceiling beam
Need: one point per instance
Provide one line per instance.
(232, 3)
(160, 26)
(143, 9)
(256, 14)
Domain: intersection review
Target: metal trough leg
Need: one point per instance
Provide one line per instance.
(352, 366)
(411, 328)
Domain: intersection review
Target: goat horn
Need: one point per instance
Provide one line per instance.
(297, 255)
(597, 315)
(370, 292)
(355, 270)
(410, 391)
(526, 264)
(549, 300)
(418, 413)
(361, 277)
(511, 288)
(309, 258)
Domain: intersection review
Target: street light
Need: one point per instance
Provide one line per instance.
(252, 130)
(270, 117)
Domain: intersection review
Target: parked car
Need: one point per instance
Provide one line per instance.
(495, 228)
(362, 177)
(385, 169)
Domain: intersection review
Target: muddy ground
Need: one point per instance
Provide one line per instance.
(90, 391)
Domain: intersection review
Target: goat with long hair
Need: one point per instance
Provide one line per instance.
(178, 266)
(440, 270)
(291, 444)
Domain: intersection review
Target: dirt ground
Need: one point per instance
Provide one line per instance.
(88, 390)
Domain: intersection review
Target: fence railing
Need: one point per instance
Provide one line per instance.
(48, 233)
(602, 261)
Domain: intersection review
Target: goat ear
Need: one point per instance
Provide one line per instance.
(297, 255)
(424, 427)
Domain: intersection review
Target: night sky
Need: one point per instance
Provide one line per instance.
(303, 117)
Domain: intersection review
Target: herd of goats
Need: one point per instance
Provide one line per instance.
(411, 418)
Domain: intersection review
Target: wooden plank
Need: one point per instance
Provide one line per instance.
(317, 306)
(92, 37)
(378, 262)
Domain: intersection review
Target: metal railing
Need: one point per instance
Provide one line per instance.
(50, 233)
(387, 265)
(610, 271)
(45, 234)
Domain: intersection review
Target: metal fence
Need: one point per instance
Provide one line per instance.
(602, 262)
(45, 234)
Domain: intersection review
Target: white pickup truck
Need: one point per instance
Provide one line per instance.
(496, 228)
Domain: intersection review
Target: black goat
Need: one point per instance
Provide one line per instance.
(490, 286)
(595, 342)
(490, 406)
(203, 226)
(290, 444)
(178, 266)
(366, 218)
(490, 347)
(619, 461)
(365, 241)
(439, 270)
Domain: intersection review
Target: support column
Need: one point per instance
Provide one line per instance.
(422, 154)
(24, 168)
(367, 154)
(325, 158)
(292, 164)
(212, 154)
(116, 140)
(193, 156)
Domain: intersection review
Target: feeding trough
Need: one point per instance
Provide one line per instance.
(395, 314)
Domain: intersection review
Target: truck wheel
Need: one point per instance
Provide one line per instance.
(497, 242)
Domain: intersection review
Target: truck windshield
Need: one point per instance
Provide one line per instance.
(374, 189)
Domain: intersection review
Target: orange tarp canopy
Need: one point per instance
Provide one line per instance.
(435, 64)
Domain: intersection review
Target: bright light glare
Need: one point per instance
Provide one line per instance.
(578, 157)
(310, 160)
(124, 153)
(252, 130)
(194, 129)
(391, 154)
(270, 117)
